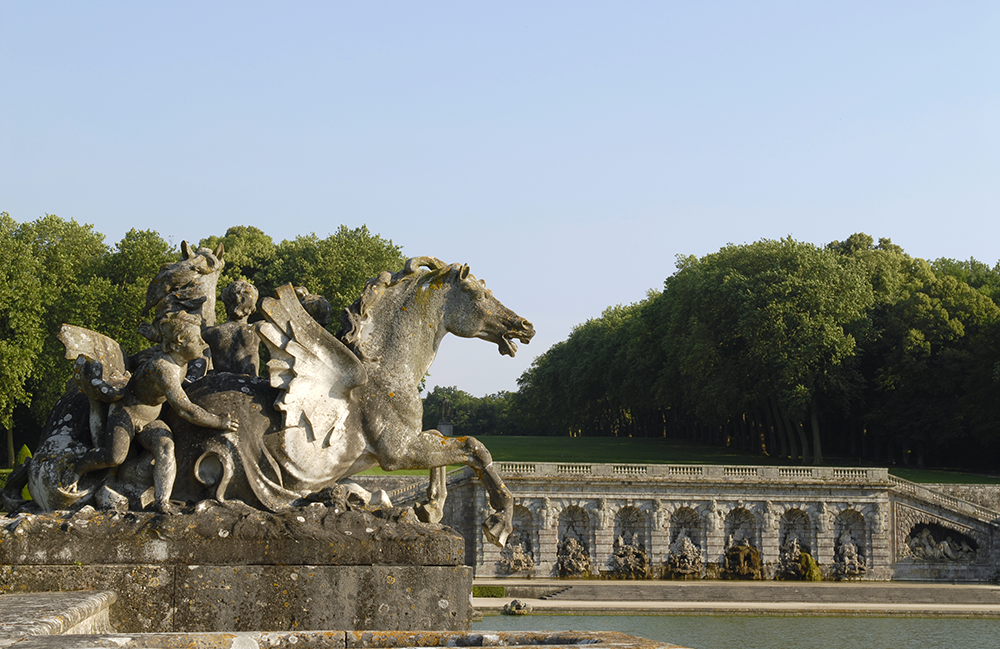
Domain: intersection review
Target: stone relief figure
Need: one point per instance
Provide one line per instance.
(661, 516)
(684, 559)
(547, 514)
(847, 560)
(572, 558)
(923, 546)
(333, 405)
(235, 345)
(713, 515)
(630, 559)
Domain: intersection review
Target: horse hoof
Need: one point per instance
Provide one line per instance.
(428, 512)
(497, 530)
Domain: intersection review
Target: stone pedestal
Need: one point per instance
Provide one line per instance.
(232, 568)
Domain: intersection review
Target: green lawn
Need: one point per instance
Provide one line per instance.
(656, 450)
(671, 451)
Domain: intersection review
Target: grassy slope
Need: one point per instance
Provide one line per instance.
(669, 451)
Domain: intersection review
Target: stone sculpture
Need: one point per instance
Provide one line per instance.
(572, 558)
(684, 560)
(630, 560)
(333, 405)
(923, 546)
(516, 607)
(742, 561)
(515, 557)
(235, 345)
(795, 563)
(847, 561)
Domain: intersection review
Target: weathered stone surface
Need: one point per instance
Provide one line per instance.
(342, 640)
(282, 598)
(54, 614)
(229, 535)
(240, 569)
(145, 592)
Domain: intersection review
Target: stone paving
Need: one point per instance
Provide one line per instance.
(747, 598)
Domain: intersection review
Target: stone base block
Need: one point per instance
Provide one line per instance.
(230, 568)
(264, 598)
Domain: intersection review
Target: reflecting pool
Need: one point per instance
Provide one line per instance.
(744, 632)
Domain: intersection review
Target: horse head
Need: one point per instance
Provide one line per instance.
(187, 284)
(470, 310)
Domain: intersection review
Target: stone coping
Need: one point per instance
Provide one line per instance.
(35, 614)
(850, 599)
(343, 640)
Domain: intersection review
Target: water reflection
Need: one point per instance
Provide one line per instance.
(741, 632)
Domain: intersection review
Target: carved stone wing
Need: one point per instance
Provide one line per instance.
(314, 371)
(96, 347)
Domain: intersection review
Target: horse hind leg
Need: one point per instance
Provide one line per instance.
(432, 510)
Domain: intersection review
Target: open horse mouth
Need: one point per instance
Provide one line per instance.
(521, 330)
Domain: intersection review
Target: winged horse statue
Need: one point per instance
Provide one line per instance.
(334, 406)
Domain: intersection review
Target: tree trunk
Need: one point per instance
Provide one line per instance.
(787, 429)
(11, 456)
(797, 427)
(817, 447)
(778, 443)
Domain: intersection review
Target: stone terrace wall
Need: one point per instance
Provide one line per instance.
(716, 506)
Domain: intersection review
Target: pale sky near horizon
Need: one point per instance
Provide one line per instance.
(568, 151)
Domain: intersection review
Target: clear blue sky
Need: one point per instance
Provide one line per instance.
(567, 150)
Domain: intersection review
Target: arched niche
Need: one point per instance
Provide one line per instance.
(935, 543)
(632, 526)
(849, 528)
(576, 542)
(741, 525)
(575, 523)
(525, 531)
(686, 521)
(796, 524)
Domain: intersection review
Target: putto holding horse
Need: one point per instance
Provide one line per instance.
(330, 407)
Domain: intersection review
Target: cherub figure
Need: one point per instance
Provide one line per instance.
(315, 305)
(235, 344)
(137, 413)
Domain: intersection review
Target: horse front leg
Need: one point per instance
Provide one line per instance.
(429, 449)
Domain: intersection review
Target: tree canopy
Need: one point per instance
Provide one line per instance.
(58, 271)
(793, 350)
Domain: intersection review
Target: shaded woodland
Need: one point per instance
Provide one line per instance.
(854, 350)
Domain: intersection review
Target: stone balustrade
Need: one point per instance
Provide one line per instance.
(695, 472)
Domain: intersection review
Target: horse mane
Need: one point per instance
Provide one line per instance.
(354, 317)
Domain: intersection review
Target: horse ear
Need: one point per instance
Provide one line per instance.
(186, 250)
(220, 250)
(462, 274)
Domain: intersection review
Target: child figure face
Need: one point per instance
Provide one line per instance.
(189, 344)
(182, 336)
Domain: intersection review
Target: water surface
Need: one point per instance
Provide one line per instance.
(745, 632)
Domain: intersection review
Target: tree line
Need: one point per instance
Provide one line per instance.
(853, 349)
(55, 271)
